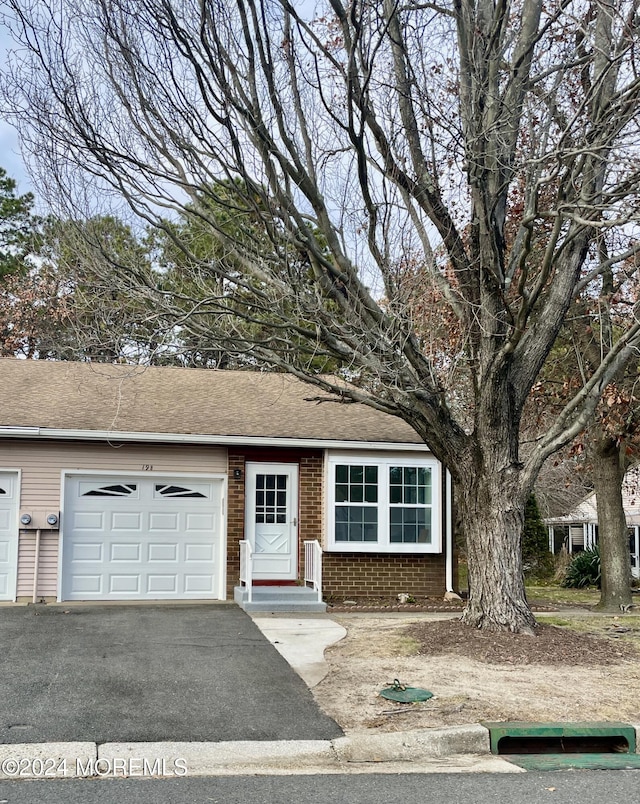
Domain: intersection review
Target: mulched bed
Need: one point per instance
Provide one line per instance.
(550, 645)
(383, 607)
(383, 604)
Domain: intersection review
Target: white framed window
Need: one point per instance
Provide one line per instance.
(383, 503)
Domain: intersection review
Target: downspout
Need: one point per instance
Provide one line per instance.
(36, 561)
(448, 531)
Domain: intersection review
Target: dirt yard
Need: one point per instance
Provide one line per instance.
(592, 673)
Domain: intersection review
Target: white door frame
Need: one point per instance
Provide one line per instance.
(635, 552)
(281, 563)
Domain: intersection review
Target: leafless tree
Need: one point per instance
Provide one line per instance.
(376, 139)
(611, 441)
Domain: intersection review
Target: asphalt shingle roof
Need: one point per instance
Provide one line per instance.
(132, 399)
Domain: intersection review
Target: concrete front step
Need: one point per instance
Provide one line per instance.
(279, 598)
(279, 606)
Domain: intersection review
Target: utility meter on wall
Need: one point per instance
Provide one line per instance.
(40, 519)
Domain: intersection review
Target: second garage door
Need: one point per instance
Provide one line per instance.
(142, 538)
(9, 495)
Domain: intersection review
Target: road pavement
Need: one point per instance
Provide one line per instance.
(590, 787)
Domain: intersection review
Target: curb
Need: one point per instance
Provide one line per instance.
(454, 748)
(342, 755)
(413, 746)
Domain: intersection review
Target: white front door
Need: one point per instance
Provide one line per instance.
(8, 534)
(271, 518)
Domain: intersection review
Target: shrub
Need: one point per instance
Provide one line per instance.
(584, 570)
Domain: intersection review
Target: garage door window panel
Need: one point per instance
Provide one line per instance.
(112, 490)
(162, 490)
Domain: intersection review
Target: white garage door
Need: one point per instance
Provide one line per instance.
(142, 538)
(8, 534)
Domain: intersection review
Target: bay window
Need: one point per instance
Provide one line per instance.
(384, 504)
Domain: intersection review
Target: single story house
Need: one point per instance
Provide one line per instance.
(578, 529)
(124, 483)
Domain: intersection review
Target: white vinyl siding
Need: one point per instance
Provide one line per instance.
(47, 586)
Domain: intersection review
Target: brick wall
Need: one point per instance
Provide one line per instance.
(235, 519)
(346, 575)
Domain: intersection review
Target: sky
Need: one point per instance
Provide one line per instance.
(10, 156)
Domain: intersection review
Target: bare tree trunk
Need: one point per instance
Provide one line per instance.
(609, 467)
(491, 506)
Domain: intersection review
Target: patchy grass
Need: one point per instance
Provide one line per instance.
(406, 646)
(546, 594)
(624, 627)
(550, 594)
(463, 575)
(557, 676)
(561, 622)
(559, 596)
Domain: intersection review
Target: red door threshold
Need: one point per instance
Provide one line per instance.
(275, 583)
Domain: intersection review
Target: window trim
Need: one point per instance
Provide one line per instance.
(383, 462)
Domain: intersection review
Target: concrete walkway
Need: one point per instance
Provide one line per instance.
(302, 641)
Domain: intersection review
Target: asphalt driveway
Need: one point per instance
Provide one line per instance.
(147, 673)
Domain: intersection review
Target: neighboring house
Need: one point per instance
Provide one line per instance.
(146, 483)
(578, 530)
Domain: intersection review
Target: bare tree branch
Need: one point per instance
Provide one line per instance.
(414, 191)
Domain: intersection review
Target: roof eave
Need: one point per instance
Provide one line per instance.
(50, 433)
